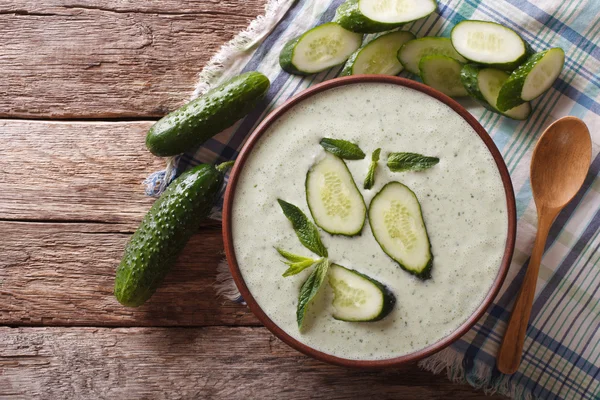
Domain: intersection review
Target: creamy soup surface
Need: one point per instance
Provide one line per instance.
(462, 200)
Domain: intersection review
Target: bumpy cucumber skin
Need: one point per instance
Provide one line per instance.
(163, 233)
(348, 15)
(509, 66)
(510, 93)
(209, 114)
(389, 299)
(425, 273)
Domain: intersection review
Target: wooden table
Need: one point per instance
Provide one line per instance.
(81, 81)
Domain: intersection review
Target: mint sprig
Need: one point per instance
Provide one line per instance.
(295, 262)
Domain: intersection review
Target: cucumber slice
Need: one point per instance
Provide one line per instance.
(358, 298)
(378, 56)
(484, 85)
(490, 44)
(318, 49)
(334, 201)
(398, 226)
(531, 79)
(371, 16)
(411, 52)
(442, 73)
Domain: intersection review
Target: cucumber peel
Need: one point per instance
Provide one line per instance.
(202, 118)
(531, 79)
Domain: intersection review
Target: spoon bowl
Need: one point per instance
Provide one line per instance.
(559, 165)
(560, 162)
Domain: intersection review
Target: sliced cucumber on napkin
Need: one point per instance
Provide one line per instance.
(531, 79)
(371, 16)
(378, 56)
(442, 73)
(398, 226)
(411, 53)
(489, 43)
(358, 298)
(484, 85)
(334, 200)
(318, 49)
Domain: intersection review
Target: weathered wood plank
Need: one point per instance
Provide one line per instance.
(63, 274)
(101, 59)
(75, 171)
(228, 363)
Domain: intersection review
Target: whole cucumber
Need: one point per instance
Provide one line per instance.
(164, 231)
(209, 114)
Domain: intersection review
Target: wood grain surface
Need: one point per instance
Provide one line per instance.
(109, 59)
(71, 197)
(198, 363)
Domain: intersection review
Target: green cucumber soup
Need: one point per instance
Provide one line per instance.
(463, 206)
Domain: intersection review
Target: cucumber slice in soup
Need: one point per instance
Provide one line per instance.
(489, 43)
(320, 48)
(378, 56)
(398, 226)
(411, 52)
(442, 73)
(484, 85)
(334, 201)
(358, 298)
(370, 16)
(531, 79)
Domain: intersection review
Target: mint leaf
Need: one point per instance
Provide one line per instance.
(310, 288)
(398, 162)
(305, 230)
(342, 148)
(297, 267)
(370, 178)
(292, 257)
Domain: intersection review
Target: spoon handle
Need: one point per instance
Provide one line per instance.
(511, 349)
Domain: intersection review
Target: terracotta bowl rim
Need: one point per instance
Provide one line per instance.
(228, 238)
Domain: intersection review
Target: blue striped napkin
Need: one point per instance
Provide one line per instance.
(562, 348)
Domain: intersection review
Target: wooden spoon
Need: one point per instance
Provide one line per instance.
(559, 165)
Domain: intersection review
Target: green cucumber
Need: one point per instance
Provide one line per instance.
(378, 56)
(358, 298)
(531, 79)
(397, 224)
(371, 16)
(164, 231)
(490, 44)
(318, 49)
(411, 52)
(442, 73)
(334, 201)
(209, 114)
(484, 84)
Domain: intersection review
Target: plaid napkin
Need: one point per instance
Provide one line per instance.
(562, 349)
